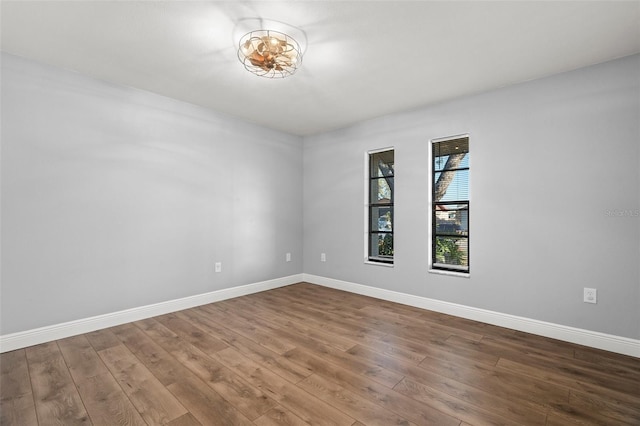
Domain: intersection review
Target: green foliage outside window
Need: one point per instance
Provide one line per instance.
(447, 251)
(385, 245)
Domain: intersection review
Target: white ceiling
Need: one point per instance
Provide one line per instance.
(364, 59)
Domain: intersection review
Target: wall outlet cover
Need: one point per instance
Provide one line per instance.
(590, 295)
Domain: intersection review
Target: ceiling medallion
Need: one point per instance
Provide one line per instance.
(271, 53)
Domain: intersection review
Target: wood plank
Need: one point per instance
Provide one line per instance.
(263, 356)
(614, 411)
(339, 357)
(277, 320)
(335, 318)
(456, 325)
(301, 403)
(192, 333)
(247, 399)
(163, 366)
(102, 339)
(416, 323)
(436, 347)
(415, 411)
(622, 364)
(56, 398)
(566, 414)
(279, 416)
(305, 310)
(328, 298)
(515, 409)
(374, 371)
(206, 405)
(153, 401)
(14, 372)
(106, 403)
(350, 403)
(339, 341)
(505, 406)
(185, 420)
(456, 408)
(543, 357)
(263, 336)
(323, 321)
(372, 315)
(529, 343)
(82, 360)
(17, 406)
(575, 378)
(499, 382)
(320, 320)
(18, 411)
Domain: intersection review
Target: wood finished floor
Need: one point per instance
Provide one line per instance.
(305, 354)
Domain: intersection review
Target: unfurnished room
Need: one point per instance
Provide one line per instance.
(319, 213)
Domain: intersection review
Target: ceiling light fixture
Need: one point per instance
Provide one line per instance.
(270, 53)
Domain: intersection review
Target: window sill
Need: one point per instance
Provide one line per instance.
(450, 273)
(371, 262)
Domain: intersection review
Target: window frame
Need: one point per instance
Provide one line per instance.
(434, 266)
(368, 209)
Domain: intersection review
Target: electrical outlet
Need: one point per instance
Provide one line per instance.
(590, 295)
(323, 257)
(218, 266)
(288, 257)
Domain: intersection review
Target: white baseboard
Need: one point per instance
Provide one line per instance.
(594, 339)
(36, 336)
(608, 342)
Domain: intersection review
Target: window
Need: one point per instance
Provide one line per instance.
(450, 204)
(380, 182)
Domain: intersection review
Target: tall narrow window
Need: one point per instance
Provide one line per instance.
(450, 205)
(380, 237)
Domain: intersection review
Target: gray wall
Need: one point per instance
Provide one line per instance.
(555, 193)
(114, 198)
